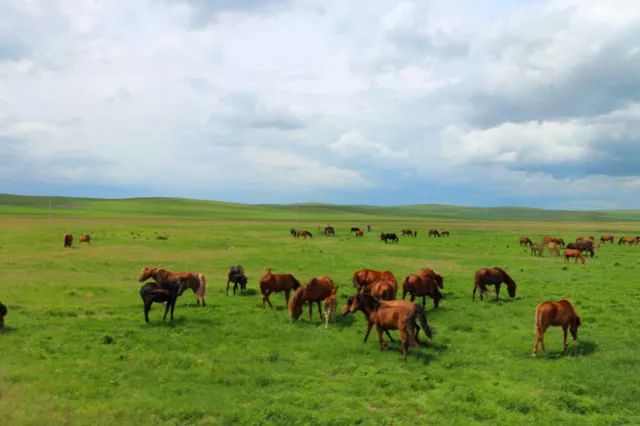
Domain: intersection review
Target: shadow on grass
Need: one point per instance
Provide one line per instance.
(7, 329)
(579, 348)
(249, 292)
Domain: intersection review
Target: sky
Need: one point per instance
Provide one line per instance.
(483, 103)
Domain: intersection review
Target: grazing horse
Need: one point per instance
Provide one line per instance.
(553, 248)
(627, 240)
(274, 283)
(359, 233)
(495, 276)
(330, 306)
(577, 254)
(302, 233)
(559, 313)
(363, 278)
(428, 272)
(68, 240)
(194, 280)
(537, 249)
(418, 285)
(385, 290)
(167, 291)
(85, 239)
(3, 313)
(317, 290)
(354, 229)
(444, 233)
(292, 231)
(434, 233)
(238, 278)
(408, 232)
(390, 315)
(388, 236)
(525, 241)
(604, 238)
(558, 241)
(329, 231)
(584, 245)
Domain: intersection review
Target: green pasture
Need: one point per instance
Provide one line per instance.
(76, 349)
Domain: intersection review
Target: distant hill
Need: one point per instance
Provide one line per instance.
(18, 205)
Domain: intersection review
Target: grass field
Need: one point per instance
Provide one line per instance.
(76, 350)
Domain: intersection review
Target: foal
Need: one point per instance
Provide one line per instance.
(330, 305)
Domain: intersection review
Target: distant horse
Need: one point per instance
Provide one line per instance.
(577, 254)
(165, 292)
(525, 241)
(85, 239)
(495, 276)
(275, 283)
(330, 307)
(417, 285)
(427, 272)
(606, 237)
(537, 249)
(559, 313)
(302, 233)
(384, 290)
(3, 313)
(627, 240)
(237, 277)
(317, 290)
(558, 241)
(434, 233)
(388, 236)
(553, 248)
(583, 246)
(68, 240)
(329, 231)
(579, 238)
(194, 280)
(354, 229)
(292, 231)
(359, 233)
(444, 233)
(408, 232)
(390, 315)
(365, 277)
(591, 238)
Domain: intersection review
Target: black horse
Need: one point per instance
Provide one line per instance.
(354, 229)
(434, 233)
(166, 291)
(3, 312)
(238, 278)
(585, 245)
(391, 236)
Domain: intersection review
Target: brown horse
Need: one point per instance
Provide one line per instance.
(68, 240)
(317, 290)
(85, 239)
(193, 280)
(165, 292)
(384, 290)
(359, 233)
(559, 241)
(408, 232)
(3, 313)
(577, 254)
(606, 237)
(330, 307)
(274, 283)
(444, 233)
(553, 248)
(390, 315)
(421, 285)
(329, 231)
(525, 241)
(559, 313)
(537, 249)
(365, 277)
(237, 277)
(495, 276)
(428, 272)
(627, 240)
(302, 233)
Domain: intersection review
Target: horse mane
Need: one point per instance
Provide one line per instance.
(507, 278)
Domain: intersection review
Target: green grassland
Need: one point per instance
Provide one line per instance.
(76, 350)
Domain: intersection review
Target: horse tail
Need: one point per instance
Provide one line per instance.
(202, 289)
(422, 318)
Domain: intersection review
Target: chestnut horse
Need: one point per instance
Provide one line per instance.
(408, 232)
(302, 233)
(330, 307)
(559, 313)
(365, 277)
(577, 254)
(627, 240)
(3, 313)
(390, 315)
(428, 272)
(604, 238)
(385, 290)
(274, 283)
(359, 233)
(68, 240)
(444, 233)
(421, 285)
(553, 248)
(495, 276)
(165, 292)
(194, 280)
(85, 239)
(317, 290)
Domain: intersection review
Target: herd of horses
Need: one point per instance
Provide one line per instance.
(330, 231)
(576, 249)
(68, 239)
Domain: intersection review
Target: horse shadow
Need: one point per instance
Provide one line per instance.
(7, 329)
(249, 292)
(578, 348)
(341, 322)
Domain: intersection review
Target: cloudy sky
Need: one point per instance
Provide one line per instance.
(493, 102)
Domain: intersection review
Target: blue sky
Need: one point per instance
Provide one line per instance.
(484, 103)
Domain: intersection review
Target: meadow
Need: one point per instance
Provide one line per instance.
(76, 349)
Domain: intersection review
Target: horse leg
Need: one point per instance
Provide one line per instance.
(405, 343)
(473, 298)
(166, 310)
(234, 288)
(310, 310)
(564, 338)
(147, 307)
(319, 309)
(498, 291)
(366, 334)
(173, 305)
(380, 341)
(424, 301)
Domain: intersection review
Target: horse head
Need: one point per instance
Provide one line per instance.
(350, 306)
(146, 273)
(573, 328)
(296, 303)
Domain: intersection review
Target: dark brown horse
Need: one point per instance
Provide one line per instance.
(68, 240)
(329, 231)
(577, 254)
(493, 276)
(317, 290)
(444, 233)
(355, 229)
(421, 286)
(428, 272)
(3, 313)
(194, 280)
(365, 277)
(583, 246)
(359, 233)
(559, 313)
(165, 292)
(434, 233)
(302, 233)
(606, 237)
(389, 236)
(390, 315)
(85, 239)
(559, 241)
(275, 283)
(525, 241)
(238, 278)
